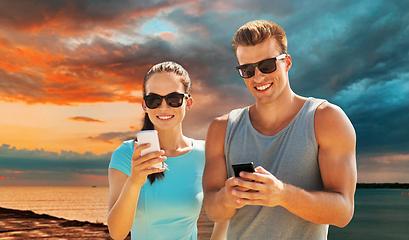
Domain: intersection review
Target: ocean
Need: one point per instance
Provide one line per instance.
(379, 213)
(73, 203)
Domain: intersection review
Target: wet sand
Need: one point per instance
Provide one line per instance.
(18, 224)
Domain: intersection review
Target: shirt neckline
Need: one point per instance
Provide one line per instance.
(247, 116)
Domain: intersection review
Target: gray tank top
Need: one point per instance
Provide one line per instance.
(292, 156)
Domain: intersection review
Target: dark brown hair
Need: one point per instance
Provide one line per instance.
(255, 32)
(164, 67)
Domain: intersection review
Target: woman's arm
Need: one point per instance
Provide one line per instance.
(124, 190)
(219, 231)
(123, 199)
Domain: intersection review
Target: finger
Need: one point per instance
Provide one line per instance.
(261, 170)
(147, 156)
(149, 171)
(250, 201)
(148, 163)
(247, 195)
(243, 189)
(250, 185)
(257, 177)
(231, 199)
(137, 149)
(230, 182)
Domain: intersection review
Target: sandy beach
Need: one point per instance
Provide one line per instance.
(18, 224)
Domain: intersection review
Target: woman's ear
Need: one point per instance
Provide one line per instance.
(189, 103)
(143, 105)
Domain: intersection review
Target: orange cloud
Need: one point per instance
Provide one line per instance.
(224, 6)
(85, 119)
(167, 36)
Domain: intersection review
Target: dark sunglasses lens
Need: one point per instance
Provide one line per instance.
(153, 101)
(267, 66)
(246, 71)
(175, 100)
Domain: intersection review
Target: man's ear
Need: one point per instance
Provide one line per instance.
(189, 103)
(288, 62)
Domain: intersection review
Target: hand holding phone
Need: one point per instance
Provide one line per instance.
(149, 136)
(247, 167)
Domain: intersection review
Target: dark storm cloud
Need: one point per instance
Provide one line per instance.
(359, 62)
(370, 45)
(380, 115)
(73, 16)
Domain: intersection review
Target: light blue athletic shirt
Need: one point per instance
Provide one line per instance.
(169, 208)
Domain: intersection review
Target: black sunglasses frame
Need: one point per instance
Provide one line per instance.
(251, 67)
(155, 104)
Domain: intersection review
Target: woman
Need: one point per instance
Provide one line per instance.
(168, 205)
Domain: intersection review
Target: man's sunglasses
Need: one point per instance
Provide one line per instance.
(174, 99)
(265, 66)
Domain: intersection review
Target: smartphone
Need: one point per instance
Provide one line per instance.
(247, 167)
(149, 136)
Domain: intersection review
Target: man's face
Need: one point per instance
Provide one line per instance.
(265, 87)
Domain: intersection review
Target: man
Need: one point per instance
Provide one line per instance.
(304, 150)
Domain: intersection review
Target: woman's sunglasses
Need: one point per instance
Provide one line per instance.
(174, 99)
(265, 66)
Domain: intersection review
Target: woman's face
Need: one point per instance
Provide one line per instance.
(166, 117)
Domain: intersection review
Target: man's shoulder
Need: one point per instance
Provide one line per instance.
(331, 120)
(218, 124)
(329, 110)
(223, 120)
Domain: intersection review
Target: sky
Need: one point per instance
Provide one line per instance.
(71, 74)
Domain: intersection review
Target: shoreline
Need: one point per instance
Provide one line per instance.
(382, 185)
(24, 224)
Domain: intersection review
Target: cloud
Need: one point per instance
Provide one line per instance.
(378, 112)
(73, 18)
(389, 167)
(215, 102)
(110, 136)
(85, 119)
(19, 165)
(357, 61)
(23, 159)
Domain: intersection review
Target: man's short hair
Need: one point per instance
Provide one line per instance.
(255, 32)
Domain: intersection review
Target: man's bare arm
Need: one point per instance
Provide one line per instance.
(218, 201)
